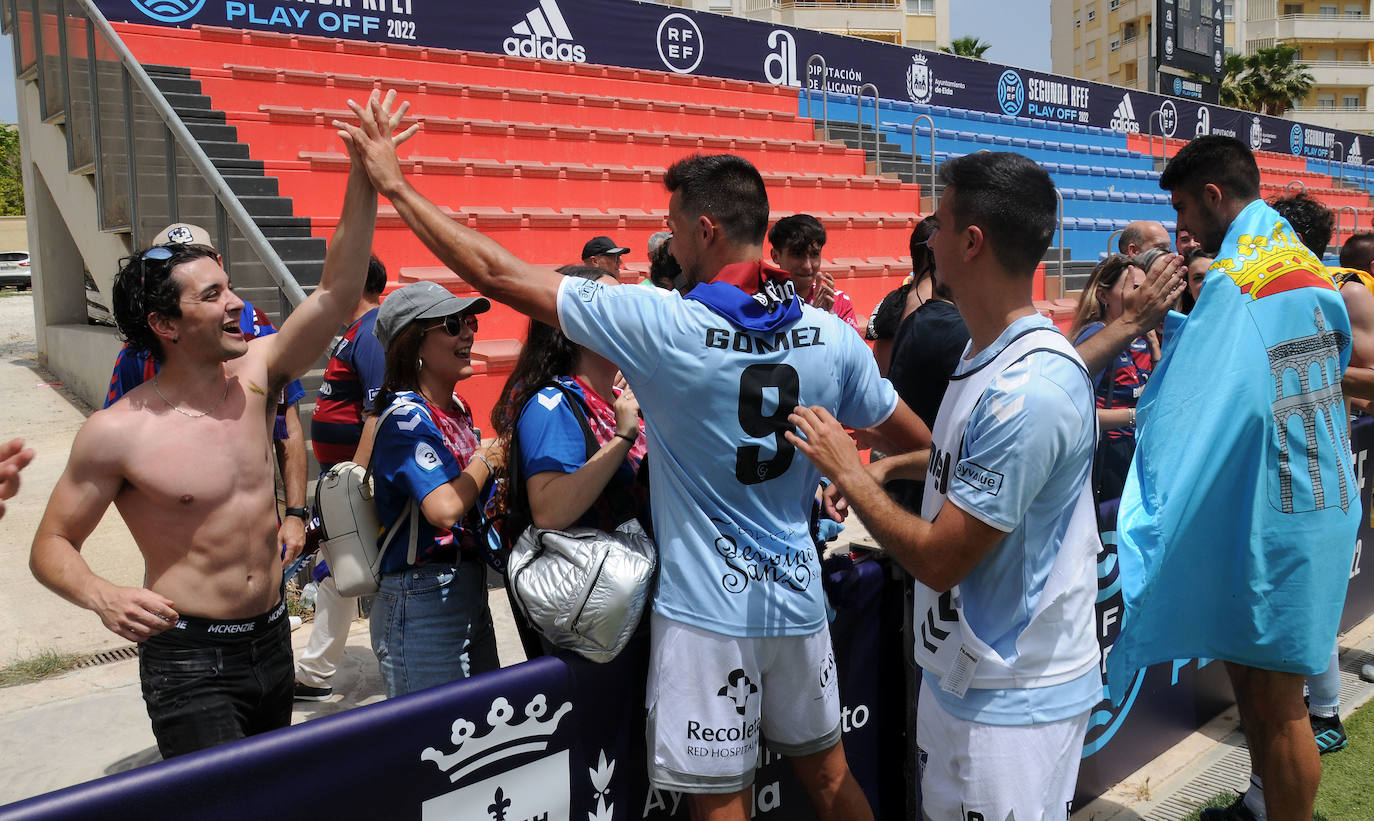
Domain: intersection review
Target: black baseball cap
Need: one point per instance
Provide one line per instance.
(602, 246)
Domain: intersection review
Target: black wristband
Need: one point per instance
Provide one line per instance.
(630, 439)
(302, 513)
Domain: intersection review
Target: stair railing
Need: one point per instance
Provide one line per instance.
(128, 116)
(1331, 155)
(1302, 187)
(1354, 221)
(933, 200)
(877, 125)
(1150, 136)
(1059, 201)
(825, 95)
(1111, 240)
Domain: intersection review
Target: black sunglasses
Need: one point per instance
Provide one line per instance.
(453, 324)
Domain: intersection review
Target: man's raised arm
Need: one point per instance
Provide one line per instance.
(310, 328)
(481, 261)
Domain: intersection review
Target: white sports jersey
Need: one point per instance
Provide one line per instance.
(731, 497)
(1012, 446)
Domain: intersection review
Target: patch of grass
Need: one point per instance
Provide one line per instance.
(1344, 794)
(44, 665)
(1225, 799)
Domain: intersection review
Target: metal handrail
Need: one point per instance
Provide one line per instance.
(1302, 187)
(1366, 171)
(1150, 135)
(877, 124)
(1354, 221)
(233, 210)
(1330, 157)
(1059, 199)
(1113, 235)
(916, 119)
(825, 99)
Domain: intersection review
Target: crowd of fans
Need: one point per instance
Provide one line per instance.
(994, 438)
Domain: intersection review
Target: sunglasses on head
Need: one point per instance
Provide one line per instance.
(160, 252)
(453, 324)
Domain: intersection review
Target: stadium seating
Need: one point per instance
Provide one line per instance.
(539, 155)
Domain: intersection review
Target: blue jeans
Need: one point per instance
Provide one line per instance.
(431, 625)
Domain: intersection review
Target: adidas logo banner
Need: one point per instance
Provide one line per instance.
(1123, 117)
(544, 34)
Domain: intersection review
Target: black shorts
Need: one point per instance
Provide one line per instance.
(207, 682)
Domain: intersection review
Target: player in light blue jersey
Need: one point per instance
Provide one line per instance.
(739, 637)
(1005, 551)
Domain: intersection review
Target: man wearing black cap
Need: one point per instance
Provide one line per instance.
(601, 252)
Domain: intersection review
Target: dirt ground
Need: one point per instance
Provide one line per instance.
(32, 619)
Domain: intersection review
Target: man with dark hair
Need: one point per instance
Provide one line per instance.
(738, 626)
(338, 433)
(1185, 242)
(215, 658)
(1313, 222)
(1004, 552)
(796, 248)
(1142, 235)
(134, 366)
(1358, 252)
(1246, 565)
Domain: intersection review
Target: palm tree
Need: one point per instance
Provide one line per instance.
(1269, 81)
(967, 47)
(1278, 79)
(1235, 84)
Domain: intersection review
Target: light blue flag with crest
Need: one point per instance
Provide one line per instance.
(1237, 523)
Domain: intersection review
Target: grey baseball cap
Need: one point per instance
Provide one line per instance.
(421, 300)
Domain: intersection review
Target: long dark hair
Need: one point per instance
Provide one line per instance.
(402, 366)
(547, 353)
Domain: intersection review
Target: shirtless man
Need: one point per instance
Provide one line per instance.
(215, 656)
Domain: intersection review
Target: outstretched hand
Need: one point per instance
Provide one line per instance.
(134, 613)
(14, 457)
(1145, 307)
(372, 142)
(824, 441)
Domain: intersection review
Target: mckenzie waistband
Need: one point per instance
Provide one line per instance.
(225, 628)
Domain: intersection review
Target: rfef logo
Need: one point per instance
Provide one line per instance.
(544, 35)
(1168, 118)
(1295, 139)
(169, 11)
(679, 43)
(1123, 118)
(1011, 93)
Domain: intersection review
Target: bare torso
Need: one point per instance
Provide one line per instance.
(198, 495)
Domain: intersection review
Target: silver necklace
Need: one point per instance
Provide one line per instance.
(189, 414)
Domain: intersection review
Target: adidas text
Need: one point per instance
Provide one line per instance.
(544, 49)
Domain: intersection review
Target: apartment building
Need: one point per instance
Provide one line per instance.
(1113, 41)
(1336, 42)
(916, 23)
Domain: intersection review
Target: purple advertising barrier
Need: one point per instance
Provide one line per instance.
(664, 38)
(549, 739)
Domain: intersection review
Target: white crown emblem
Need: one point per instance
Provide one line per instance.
(504, 740)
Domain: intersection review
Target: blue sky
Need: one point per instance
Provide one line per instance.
(1019, 30)
(1020, 38)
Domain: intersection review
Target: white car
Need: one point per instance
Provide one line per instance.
(14, 270)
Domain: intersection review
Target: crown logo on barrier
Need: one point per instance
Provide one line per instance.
(529, 736)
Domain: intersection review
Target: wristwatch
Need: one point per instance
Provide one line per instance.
(302, 513)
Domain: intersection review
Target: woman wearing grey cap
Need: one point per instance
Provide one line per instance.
(430, 623)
